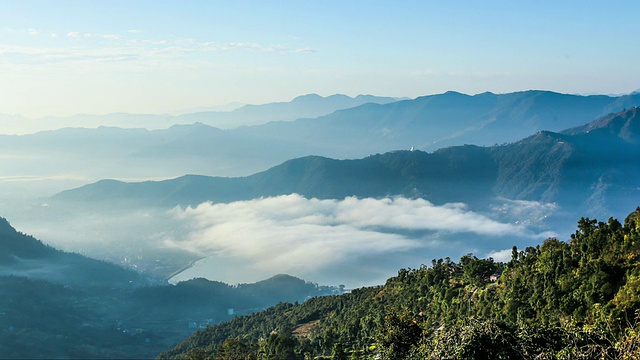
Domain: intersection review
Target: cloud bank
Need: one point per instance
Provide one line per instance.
(350, 241)
(315, 238)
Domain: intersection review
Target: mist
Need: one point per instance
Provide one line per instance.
(350, 241)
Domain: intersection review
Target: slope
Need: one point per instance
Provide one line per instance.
(575, 299)
(23, 255)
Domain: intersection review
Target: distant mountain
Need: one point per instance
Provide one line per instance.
(426, 123)
(592, 168)
(623, 125)
(436, 121)
(394, 173)
(226, 117)
(305, 106)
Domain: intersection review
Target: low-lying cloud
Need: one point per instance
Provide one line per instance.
(350, 241)
(307, 237)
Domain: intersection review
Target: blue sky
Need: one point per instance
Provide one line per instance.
(65, 57)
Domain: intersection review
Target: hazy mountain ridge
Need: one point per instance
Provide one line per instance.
(304, 106)
(621, 124)
(395, 173)
(311, 105)
(549, 167)
(452, 118)
(426, 123)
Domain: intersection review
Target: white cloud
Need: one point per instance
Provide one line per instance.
(501, 255)
(420, 214)
(308, 237)
(78, 35)
(351, 241)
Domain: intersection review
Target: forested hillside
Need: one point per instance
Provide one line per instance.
(575, 299)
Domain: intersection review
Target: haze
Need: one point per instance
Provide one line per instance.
(151, 65)
(75, 57)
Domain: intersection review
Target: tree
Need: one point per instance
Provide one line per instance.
(398, 335)
(234, 349)
(338, 352)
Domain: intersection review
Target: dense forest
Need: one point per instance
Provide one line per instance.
(578, 299)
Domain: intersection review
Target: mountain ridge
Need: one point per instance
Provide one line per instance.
(546, 166)
(23, 255)
(426, 123)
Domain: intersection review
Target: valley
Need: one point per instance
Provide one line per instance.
(319, 180)
(315, 217)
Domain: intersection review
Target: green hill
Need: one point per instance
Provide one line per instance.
(567, 300)
(23, 255)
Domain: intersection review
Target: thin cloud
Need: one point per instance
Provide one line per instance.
(523, 212)
(86, 48)
(427, 72)
(79, 35)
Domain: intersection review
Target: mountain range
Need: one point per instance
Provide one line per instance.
(591, 168)
(536, 145)
(304, 106)
(425, 123)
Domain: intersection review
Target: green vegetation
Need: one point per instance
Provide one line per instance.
(570, 300)
(41, 319)
(63, 305)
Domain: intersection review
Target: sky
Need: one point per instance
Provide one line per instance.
(64, 57)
